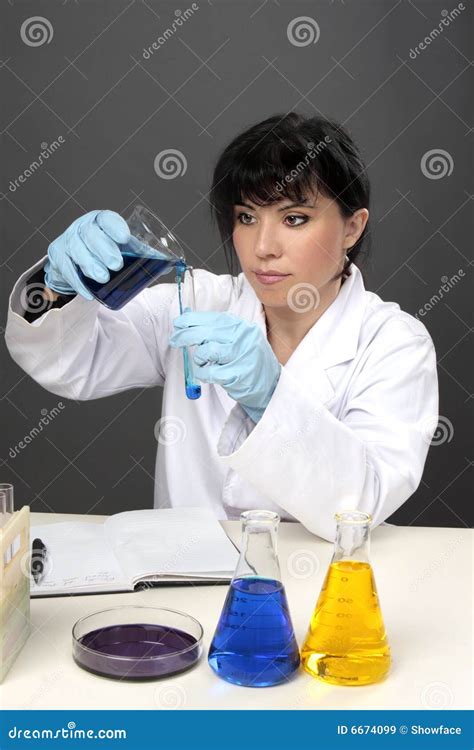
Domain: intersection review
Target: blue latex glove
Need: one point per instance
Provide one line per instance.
(232, 353)
(91, 242)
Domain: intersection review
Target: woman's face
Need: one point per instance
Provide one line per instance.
(306, 242)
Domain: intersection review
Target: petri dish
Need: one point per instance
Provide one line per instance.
(137, 643)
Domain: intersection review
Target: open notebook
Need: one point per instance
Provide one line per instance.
(133, 548)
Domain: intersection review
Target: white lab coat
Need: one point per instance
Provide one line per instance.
(348, 425)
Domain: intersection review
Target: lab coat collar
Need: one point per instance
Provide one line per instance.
(334, 337)
(331, 340)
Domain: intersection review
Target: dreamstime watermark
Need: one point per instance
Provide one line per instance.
(183, 549)
(435, 565)
(29, 562)
(170, 431)
(303, 297)
(36, 31)
(447, 17)
(309, 426)
(156, 314)
(44, 688)
(171, 565)
(436, 164)
(69, 732)
(437, 430)
(314, 150)
(302, 31)
(46, 151)
(170, 696)
(33, 298)
(308, 696)
(181, 18)
(303, 563)
(446, 286)
(170, 163)
(47, 417)
(437, 695)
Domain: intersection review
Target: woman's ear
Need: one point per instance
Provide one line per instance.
(355, 225)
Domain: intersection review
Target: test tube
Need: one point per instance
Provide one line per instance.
(187, 298)
(6, 511)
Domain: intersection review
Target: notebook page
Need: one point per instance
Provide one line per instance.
(78, 557)
(170, 541)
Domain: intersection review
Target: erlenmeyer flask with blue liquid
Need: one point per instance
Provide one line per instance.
(254, 643)
(151, 252)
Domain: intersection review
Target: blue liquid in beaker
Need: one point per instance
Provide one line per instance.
(254, 643)
(137, 272)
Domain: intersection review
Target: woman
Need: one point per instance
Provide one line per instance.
(316, 394)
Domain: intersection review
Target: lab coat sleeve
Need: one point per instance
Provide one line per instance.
(370, 458)
(84, 350)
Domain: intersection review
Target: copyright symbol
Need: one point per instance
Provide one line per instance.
(403, 729)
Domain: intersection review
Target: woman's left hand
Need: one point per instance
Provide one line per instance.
(232, 353)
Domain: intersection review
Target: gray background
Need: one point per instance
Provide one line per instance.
(227, 67)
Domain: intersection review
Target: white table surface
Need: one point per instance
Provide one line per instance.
(424, 581)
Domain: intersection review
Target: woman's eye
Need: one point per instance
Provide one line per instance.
(243, 216)
(293, 219)
(297, 221)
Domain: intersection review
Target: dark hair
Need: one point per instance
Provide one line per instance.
(289, 156)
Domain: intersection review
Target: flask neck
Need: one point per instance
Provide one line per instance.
(352, 536)
(258, 556)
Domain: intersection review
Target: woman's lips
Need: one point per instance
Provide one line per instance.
(269, 278)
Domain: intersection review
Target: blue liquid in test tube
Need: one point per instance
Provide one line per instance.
(193, 390)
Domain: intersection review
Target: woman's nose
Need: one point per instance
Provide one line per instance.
(266, 243)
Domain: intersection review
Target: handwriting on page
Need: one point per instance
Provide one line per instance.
(100, 576)
(78, 559)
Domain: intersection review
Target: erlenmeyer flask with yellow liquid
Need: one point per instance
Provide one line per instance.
(346, 642)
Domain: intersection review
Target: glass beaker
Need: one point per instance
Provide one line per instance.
(254, 643)
(346, 643)
(151, 252)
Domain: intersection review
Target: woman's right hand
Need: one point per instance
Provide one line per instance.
(92, 243)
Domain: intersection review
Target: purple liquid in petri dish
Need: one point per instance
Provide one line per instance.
(150, 651)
